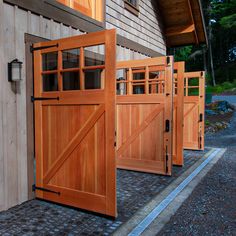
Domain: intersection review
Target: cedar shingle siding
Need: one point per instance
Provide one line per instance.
(144, 29)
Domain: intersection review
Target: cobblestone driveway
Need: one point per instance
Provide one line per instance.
(134, 190)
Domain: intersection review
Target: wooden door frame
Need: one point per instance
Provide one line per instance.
(29, 41)
(200, 103)
(178, 159)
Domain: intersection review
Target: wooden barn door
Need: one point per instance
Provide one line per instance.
(194, 109)
(144, 115)
(74, 98)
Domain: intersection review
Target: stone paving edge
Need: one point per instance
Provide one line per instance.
(127, 227)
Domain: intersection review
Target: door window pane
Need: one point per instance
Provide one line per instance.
(138, 76)
(50, 82)
(193, 92)
(71, 81)
(70, 58)
(121, 78)
(94, 55)
(92, 79)
(50, 61)
(138, 89)
(138, 73)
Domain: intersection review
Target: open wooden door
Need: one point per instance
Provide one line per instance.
(144, 115)
(194, 109)
(74, 97)
(178, 114)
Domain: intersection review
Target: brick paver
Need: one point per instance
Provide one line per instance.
(134, 190)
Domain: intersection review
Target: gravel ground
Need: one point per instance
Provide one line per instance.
(229, 98)
(211, 208)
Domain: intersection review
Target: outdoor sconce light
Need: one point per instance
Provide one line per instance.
(14, 70)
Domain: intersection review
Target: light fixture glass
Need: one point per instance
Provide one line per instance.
(14, 70)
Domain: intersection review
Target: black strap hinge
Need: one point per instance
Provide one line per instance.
(167, 158)
(43, 98)
(32, 49)
(34, 187)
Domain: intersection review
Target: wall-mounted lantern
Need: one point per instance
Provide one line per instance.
(14, 70)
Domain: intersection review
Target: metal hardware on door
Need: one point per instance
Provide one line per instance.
(201, 117)
(167, 126)
(34, 187)
(43, 98)
(32, 49)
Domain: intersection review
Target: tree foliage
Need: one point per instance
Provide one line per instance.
(220, 19)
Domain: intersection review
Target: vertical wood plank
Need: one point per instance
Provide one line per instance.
(20, 29)
(202, 109)
(64, 31)
(168, 115)
(35, 24)
(110, 103)
(44, 27)
(2, 181)
(179, 160)
(55, 30)
(9, 112)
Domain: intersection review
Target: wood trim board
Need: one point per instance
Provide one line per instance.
(29, 41)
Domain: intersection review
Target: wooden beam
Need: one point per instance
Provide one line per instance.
(193, 21)
(172, 31)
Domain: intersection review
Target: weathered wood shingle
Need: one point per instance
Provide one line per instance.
(145, 28)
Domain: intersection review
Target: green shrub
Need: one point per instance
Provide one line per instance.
(220, 88)
(227, 85)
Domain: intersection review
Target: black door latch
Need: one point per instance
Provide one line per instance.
(167, 126)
